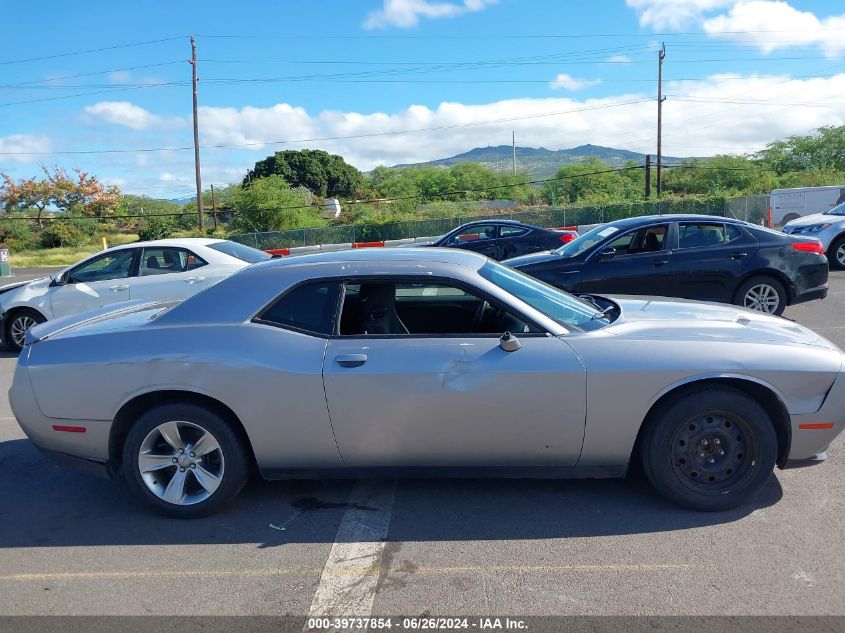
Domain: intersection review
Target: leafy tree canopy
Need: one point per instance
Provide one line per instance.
(79, 193)
(323, 174)
(269, 204)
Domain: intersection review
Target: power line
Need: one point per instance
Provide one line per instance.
(330, 138)
(90, 50)
(98, 72)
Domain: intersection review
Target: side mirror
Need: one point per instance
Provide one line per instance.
(509, 343)
(606, 254)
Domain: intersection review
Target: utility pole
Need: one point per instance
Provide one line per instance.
(661, 55)
(213, 207)
(513, 142)
(193, 63)
(648, 176)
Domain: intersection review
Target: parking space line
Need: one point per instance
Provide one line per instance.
(353, 571)
(357, 552)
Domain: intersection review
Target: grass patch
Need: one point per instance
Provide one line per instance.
(64, 255)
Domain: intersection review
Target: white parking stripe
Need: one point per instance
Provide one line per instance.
(349, 579)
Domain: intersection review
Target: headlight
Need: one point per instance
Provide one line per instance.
(815, 228)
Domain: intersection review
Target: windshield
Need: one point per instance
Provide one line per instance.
(837, 210)
(240, 251)
(585, 242)
(569, 311)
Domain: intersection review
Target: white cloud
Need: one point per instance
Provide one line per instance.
(568, 82)
(749, 22)
(166, 177)
(674, 14)
(618, 59)
(15, 143)
(407, 13)
(123, 113)
(254, 125)
(120, 76)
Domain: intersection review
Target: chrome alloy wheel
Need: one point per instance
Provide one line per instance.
(181, 463)
(762, 297)
(19, 327)
(840, 255)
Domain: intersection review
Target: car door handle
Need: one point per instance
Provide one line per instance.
(659, 262)
(119, 288)
(192, 280)
(351, 360)
(738, 255)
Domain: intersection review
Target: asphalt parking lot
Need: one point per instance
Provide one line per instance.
(74, 544)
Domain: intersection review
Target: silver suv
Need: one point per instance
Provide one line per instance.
(828, 228)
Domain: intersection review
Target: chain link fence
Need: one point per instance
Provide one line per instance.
(545, 217)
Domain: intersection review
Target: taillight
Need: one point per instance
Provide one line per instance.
(567, 237)
(809, 247)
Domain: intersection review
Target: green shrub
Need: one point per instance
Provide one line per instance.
(155, 228)
(62, 233)
(17, 235)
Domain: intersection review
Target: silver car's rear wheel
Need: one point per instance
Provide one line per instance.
(181, 462)
(186, 460)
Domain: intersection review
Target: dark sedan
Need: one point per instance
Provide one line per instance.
(501, 239)
(690, 256)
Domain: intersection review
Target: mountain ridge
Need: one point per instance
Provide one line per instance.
(538, 161)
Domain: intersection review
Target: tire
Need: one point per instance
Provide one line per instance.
(17, 324)
(224, 469)
(710, 423)
(836, 253)
(759, 292)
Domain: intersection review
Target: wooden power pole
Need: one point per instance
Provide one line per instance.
(661, 55)
(193, 63)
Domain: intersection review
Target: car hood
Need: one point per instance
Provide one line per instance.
(685, 320)
(534, 258)
(809, 220)
(124, 315)
(24, 290)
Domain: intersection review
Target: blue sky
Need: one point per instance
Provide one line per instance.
(456, 73)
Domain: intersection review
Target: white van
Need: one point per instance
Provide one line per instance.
(791, 204)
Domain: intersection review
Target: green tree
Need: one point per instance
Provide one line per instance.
(822, 150)
(321, 173)
(269, 204)
(592, 180)
(724, 175)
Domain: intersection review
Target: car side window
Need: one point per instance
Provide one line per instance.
(645, 240)
(116, 265)
(311, 307)
(159, 261)
(697, 234)
(422, 309)
(512, 231)
(474, 234)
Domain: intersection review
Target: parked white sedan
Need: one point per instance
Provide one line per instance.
(160, 270)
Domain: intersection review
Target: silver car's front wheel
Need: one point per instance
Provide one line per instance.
(186, 460)
(181, 462)
(18, 324)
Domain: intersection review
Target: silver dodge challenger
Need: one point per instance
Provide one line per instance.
(425, 362)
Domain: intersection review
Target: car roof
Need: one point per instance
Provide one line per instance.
(497, 221)
(454, 256)
(172, 241)
(673, 217)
